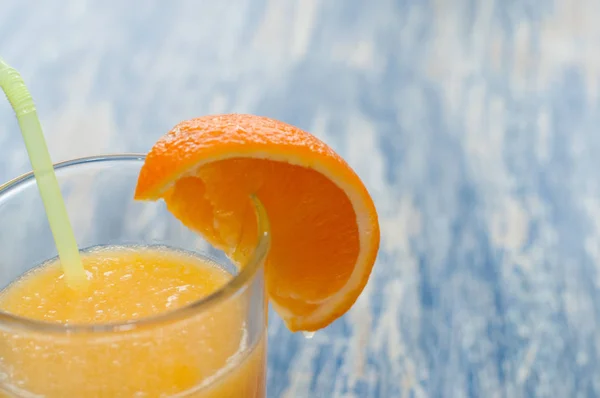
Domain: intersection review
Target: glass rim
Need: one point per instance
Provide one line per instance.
(237, 284)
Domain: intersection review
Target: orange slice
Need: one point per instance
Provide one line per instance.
(324, 226)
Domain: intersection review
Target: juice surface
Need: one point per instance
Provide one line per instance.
(204, 355)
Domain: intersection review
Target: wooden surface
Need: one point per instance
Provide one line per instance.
(475, 125)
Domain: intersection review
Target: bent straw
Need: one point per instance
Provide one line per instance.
(17, 94)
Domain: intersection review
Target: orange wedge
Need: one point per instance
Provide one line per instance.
(324, 226)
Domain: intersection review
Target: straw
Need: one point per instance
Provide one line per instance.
(14, 87)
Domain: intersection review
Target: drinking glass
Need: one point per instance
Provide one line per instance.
(201, 350)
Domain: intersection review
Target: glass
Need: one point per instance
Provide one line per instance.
(126, 359)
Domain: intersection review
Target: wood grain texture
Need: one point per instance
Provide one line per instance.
(473, 123)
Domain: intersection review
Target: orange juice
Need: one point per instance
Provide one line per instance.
(206, 353)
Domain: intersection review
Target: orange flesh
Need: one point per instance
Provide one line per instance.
(129, 284)
(299, 209)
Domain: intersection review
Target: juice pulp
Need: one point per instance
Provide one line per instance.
(204, 354)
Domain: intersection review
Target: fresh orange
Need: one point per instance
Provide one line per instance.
(324, 226)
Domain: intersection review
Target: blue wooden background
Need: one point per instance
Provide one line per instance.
(475, 125)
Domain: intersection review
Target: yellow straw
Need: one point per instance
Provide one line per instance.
(14, 87)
